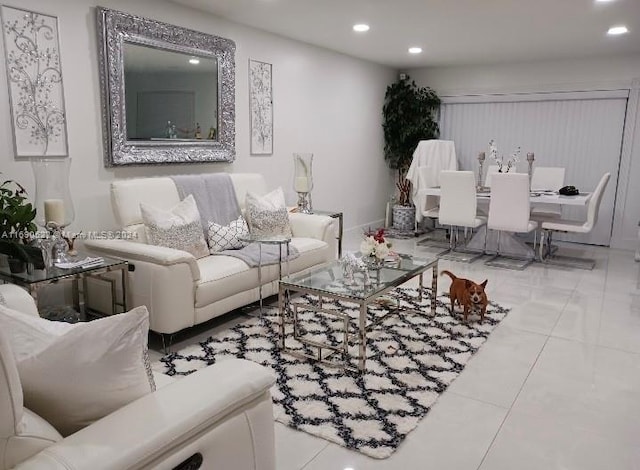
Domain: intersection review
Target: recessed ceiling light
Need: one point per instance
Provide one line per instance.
(616, 30)
(194, 61)
(361, 27)
(415, 50)
(604, 1)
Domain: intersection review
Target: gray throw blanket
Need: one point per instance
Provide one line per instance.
(250, 254)
(216, 201)
(214, 195)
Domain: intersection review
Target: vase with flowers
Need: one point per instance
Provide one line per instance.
(503, 166)
(375, 248)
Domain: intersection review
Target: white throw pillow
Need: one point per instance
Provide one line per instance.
(227, 237)
(179, 228)
(268, 215)
(75, 374)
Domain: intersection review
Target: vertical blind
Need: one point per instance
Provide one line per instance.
(580, 131)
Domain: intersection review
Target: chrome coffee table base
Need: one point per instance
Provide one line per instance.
(327, 283)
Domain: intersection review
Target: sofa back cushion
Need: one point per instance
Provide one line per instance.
(75, 374)
(244, 182)
(161, 192)
(10, 392)
(126, 196)
(22, 433)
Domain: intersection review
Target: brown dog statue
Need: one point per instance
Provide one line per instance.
(469, 295)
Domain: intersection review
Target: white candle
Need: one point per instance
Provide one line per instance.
(54, 211)
(302, 184)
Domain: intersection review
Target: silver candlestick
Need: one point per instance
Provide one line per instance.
(481, 157)
(530, 159)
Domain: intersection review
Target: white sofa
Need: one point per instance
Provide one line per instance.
(223, 412)
(181, 291)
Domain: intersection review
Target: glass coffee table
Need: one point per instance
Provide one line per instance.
(329, 284)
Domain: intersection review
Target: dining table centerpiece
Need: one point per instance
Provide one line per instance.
(503, 166)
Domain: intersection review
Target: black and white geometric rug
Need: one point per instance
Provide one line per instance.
(411, 359)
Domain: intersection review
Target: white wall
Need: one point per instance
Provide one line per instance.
(324, 102)
(567, 75)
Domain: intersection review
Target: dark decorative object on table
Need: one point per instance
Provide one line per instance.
(569, 191)
(16, 223)
(409, 116)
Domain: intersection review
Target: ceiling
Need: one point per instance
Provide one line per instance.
(450, 32)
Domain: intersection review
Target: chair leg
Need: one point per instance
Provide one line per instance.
(507, 261)
(167, 339)
(456, 254)
(486, 232)
(564, 261)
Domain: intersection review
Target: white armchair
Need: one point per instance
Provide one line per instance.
(220, 416)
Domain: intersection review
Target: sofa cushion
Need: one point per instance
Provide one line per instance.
(178, 228)
(73, 375)
(268, 215)
(223, 276)
(227, 237)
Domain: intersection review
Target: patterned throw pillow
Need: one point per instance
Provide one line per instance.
(268, 214)
(226, 237)
(179, 228)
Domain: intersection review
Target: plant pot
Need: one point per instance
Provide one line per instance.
(404, 217)
(17, 266)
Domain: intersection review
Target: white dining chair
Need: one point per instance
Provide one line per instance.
(573, 226)
(546, 178)
(430, 205)
(491, 170)
(458, 206)
(509, 211)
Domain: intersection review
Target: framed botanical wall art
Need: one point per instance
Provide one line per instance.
(34, 77)
(261, 107)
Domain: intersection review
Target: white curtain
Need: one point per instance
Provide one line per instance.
(580, 131)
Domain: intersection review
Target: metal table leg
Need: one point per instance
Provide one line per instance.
(434, 287)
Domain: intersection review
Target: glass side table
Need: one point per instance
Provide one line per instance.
(336, 215)
(33, 281)
(279, 240)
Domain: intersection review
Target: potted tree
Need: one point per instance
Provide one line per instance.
(409, 116)
(16, 223)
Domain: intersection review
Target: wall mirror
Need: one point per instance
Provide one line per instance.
(168, 93)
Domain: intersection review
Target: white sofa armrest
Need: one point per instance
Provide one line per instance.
(134, 251)
(223, 412)
(18, 299)
(321, 227)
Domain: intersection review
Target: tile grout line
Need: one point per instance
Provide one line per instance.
(512, 403)
(523, 384)
(315, 455)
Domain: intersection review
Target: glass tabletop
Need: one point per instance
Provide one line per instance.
(268, 239)
(54, 273)
(330, 277)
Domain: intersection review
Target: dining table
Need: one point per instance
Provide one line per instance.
(509, 244)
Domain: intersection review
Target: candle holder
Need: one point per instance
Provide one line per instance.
(530, 159)
(481, 158)
(53, 204)
(303, 181)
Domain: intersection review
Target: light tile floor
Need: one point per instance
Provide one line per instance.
(556, 386)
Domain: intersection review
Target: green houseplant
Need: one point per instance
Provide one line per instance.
(16, 222)
(409, 116)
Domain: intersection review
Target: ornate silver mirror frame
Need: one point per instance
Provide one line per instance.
(114, 29)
